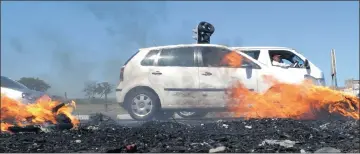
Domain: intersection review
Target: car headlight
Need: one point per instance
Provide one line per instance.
(312, 79)
(28, 97)
(319, 81)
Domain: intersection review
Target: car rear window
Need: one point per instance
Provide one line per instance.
(150, 58)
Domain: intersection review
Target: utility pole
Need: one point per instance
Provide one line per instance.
(106, 102)
(333, 69)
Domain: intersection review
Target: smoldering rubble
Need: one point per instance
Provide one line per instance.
(102, 134)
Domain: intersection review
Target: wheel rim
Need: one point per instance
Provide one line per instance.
(141, 105)
(186, 113)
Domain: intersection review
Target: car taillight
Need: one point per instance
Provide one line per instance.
(122, 73)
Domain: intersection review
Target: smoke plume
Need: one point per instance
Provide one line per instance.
(129, 25)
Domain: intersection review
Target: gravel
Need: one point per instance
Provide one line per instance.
(103, 134)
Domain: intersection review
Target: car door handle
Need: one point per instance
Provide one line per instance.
(207, 74)
(156, 73)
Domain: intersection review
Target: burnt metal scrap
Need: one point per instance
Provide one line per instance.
(241, 136)
(63, 122)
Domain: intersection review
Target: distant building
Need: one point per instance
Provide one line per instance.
(351, 83)
(351, 86)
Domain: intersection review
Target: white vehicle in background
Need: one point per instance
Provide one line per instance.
(18, 91)
(299, 66)
(190, 78)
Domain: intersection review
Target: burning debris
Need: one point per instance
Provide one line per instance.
(298, 101)
(19, 117)
(266, 135)
(306, 102)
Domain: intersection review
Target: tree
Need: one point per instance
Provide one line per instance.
(104, 88)
(35, 83)
(90, 89)
(108, 88)
(99, 89)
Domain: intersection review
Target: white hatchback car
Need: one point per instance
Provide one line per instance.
(182, 78)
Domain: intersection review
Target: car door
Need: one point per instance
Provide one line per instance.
(176, 72)
(215, 78)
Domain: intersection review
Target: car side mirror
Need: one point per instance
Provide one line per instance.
(251, 66)
(306, 64)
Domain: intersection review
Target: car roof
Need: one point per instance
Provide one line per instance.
(262, 47)
(4, 77)
(184, 45)
(7, 79)
(199, 45)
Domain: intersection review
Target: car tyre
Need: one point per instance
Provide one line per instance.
(142, 104)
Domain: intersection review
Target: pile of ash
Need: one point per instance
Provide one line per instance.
(102, 134)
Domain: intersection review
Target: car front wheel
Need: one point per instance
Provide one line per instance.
(142, 104)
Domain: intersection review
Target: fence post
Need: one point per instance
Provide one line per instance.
(65, 96)
(106, 103)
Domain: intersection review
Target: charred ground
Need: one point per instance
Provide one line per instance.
(254, 135)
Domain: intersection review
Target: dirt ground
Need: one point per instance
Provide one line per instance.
(236, 136)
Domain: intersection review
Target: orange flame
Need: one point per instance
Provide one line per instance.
(282, 100)
(233, 59)
(17, 113)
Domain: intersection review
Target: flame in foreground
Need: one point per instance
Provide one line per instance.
(297, 101)
(16, 113)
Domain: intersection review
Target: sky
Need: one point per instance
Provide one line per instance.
(69, 43)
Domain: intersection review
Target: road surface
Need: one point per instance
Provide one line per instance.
(114, 111)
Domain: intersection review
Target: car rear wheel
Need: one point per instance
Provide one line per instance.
(142, 104)
(187, 114)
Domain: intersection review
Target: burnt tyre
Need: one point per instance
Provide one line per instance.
(188, 114)
(142, 104)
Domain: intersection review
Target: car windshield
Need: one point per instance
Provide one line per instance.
(8, 83)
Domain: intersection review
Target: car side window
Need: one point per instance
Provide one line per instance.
(298, 59)
(182, 56)
(150, 58)
(286, 58)
(213, 57)
(252, 53)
